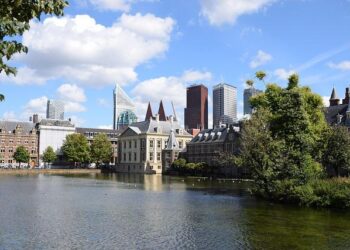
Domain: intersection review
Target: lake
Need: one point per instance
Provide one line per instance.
(121, 211)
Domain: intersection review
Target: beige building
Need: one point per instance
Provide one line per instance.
(14, 134)
(140, 145)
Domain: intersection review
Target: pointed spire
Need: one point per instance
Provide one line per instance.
(334, 100)
(149, 113)
(161, 112)
(334, 94)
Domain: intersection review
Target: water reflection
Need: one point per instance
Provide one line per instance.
(131, 211)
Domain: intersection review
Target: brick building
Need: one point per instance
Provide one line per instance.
(196, 111)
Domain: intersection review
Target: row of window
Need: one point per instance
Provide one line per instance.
(11, 150)
(18, 141)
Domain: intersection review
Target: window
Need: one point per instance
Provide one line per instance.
(143, 143)
(10, 161)
(129, 156)
(129, 144)
(33, 151)
(143, 156)
(151, 156)
(180, 144)
(125, 144)
(2, 150)
(124, 157)
(159, 167)
(151, 143)
(135, 144)
(158, 156)
(159, 143)
(135, 157)
(10, 150)
(11, 141)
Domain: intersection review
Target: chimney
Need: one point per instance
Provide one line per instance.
(347, 96)
(157, 117)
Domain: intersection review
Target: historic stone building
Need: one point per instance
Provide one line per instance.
(171, 152)
(338, 112)
(112, 135)
(14, 134)
(140, 146)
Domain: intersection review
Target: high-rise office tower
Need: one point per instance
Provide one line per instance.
(124, 109)
(55, 110)
(196, 111)
(248, 93)
(224, 104)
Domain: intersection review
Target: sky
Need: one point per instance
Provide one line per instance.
(156, 48)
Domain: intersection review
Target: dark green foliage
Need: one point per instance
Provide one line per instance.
(15, 16)
(76, 148)
(180, 165)
(250, 83)
(101, 149)
(21, 155)
(260, 75)
(337, 149)
(49, 155)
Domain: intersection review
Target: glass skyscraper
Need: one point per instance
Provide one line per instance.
(248, 93)
(224, 104)
(55, 110)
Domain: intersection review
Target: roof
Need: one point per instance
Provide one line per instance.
(334, 95)
(211, 135)
(98, 130)
(58, 123)
(161, 127)
(8, 126)
(332, 112)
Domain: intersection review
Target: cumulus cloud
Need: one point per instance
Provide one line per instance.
(24, 76)
(73, 107)
(227, 11)
(35, 106)
(80, 50)
(344, 65)
(193, 75)
(116, 5)
(71, 92)
(260, 59)
(283, 74)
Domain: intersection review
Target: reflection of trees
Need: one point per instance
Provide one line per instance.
(281, 227)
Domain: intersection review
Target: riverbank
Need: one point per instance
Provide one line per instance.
(48, 171)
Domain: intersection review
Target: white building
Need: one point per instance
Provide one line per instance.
(140, 145)
(55, 110)
(53, 133)
(224, 104)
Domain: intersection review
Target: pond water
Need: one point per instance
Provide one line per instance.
(97, 211)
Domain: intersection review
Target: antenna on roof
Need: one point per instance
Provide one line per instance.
(172, 104)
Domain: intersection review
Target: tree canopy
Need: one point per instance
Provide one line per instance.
(101, 149)
(76, 148)
(15, 16)
(21, 155)
(49, 155)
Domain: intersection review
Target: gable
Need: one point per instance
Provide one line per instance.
(129, 132)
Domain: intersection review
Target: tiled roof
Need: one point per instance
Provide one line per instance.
(59, 123)
(332, 112)
(211, 135)
(8, 126)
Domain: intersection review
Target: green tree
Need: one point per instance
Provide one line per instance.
(337, 149)
(15, 16)
(76, 149)
(21, 155)
(260, 75)
(250, 83)
(49, 155)
(101, 149)
(280, 143)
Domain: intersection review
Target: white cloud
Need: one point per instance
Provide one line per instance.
(103, 102)
(71, 92)
(260, 59)
(24, 76)
(115, 5)
(193, 76)
(283, 74)
(227, 11)
(80, 50)
(35, 106)
(73, 107)
(325, 100)
(9, 116)
(344, 65)
(105, 127)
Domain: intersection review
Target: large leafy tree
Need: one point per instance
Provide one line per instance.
(337, 150)
(76, 149)
(21, 155)
(49, 155)
(101, 149)
(15, 16)
(281, 142)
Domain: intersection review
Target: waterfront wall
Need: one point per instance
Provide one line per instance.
(48, 171)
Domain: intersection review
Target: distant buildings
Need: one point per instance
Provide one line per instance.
(338, 113)
(14, 134)
(224, 104)
(248, 93)
(123, 109)
(55, 110)
(196, 111)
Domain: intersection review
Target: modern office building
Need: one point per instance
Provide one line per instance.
(224, 104)
(248, 93)
(55, 110)
(124, 109)
(196, 111)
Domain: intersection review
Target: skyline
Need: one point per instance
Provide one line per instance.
(100, 43)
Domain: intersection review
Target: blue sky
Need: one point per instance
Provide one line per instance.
(155, 48)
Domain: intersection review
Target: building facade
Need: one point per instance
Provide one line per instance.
(55, 110)
(14, 134)
(53, 133)
(123, 109)
(224, 104)
(140, 146)
(112, 135)
(196, 111)
(338, 112)
(248, 93)
(171, 152)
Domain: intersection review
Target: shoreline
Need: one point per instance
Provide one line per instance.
(48, 171)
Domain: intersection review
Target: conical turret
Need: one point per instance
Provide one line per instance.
(161, 112)
(334, 100)
(149, 113)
